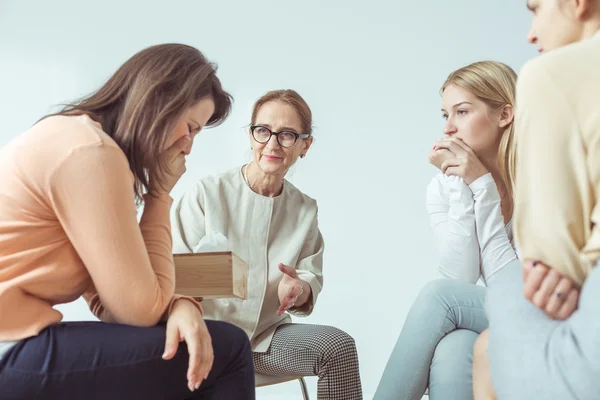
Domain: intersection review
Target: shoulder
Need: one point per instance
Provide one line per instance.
(55, 140)
(562, 67)
(296, 196)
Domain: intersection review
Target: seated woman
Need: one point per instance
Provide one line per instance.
(470, 206)
(273, 226)
(539, 346)
(68, 227)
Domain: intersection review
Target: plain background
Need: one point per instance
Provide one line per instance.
(371, 72)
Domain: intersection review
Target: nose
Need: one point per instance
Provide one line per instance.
(531, 36)
(188, 149)
(449, 128)
(272, 143)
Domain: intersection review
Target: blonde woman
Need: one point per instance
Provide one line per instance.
(470, 206)
(544, 313)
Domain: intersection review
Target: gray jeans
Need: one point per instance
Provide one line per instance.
(435, 346)
(533, 357)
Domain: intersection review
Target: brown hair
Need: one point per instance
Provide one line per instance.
(292, 98)
(141, 102)
(494, 83)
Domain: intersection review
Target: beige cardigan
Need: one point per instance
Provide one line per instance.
(264, 232)
(558, 160)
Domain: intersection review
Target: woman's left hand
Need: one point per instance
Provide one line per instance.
(465, 164)
(290, 290)
(548, 289)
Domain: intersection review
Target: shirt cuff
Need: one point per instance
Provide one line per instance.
(482, 182)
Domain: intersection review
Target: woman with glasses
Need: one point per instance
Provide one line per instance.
(273, 226)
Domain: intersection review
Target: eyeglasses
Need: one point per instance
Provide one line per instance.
(285, 138)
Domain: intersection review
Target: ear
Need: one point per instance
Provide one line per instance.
(584, 9)
(507, 116)
(307, 143)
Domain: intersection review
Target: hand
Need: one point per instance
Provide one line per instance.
(186, 323)
(548, 289)
(290, 288)
(465, 164)
(174, 160)
(438, 155)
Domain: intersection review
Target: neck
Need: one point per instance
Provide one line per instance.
(269, 185)
(491, 164)
(590, 28)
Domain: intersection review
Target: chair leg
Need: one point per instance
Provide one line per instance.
(304, 389)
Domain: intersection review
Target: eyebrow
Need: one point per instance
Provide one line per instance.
(285, 128)
(459, 104)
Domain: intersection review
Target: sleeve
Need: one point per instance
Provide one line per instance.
(188, 221)
(310, 268)
(131, 265)
(551, 224)
(452, 218)
(495, 246)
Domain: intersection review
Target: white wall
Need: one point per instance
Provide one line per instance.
(371, 71)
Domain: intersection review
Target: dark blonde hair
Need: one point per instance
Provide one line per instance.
(494, 83)
(140, 104)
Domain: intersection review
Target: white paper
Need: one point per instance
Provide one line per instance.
(213, 241)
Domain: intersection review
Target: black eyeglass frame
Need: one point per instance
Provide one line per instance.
(276, 134)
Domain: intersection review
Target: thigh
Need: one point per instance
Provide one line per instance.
(300, 349)
(532, 356)
(94, 360)
(451, 371)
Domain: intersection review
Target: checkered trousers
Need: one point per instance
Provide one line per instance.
(314, 350)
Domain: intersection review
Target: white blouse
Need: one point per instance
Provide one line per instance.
(468, 227)
(263, 231)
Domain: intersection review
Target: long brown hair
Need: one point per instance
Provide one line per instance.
(494, 83)
(141, 102)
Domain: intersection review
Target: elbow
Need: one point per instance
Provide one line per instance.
(142, 315)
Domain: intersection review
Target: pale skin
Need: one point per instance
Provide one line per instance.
(265, 173)
(185, 322)
(555, 23)
(472, 137)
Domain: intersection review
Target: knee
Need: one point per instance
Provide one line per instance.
(339, 343)
(236, 337)
(434, 292)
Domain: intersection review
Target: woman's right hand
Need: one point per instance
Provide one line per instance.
(186, 323)
(174, 161)
(437, 156)
(548, 289)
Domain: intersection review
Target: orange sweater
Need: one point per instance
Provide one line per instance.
(68, 227)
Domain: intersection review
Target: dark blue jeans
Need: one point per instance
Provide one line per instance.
(94, 360)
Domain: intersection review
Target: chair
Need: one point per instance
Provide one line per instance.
(268, 380)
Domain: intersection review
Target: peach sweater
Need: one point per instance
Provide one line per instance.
(68, 227)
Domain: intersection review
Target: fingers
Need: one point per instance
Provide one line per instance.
(569, 306)
(178, 147)
(290, 271)
(201, 356)
(534, 280)
(547, 288)
(171, 341)
(454, 145)
(286, 304)
(452, 162)
(205, 357)
(558, 297)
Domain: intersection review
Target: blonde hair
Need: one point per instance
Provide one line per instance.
(493, 83)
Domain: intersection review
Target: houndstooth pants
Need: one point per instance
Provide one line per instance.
(314, 350)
